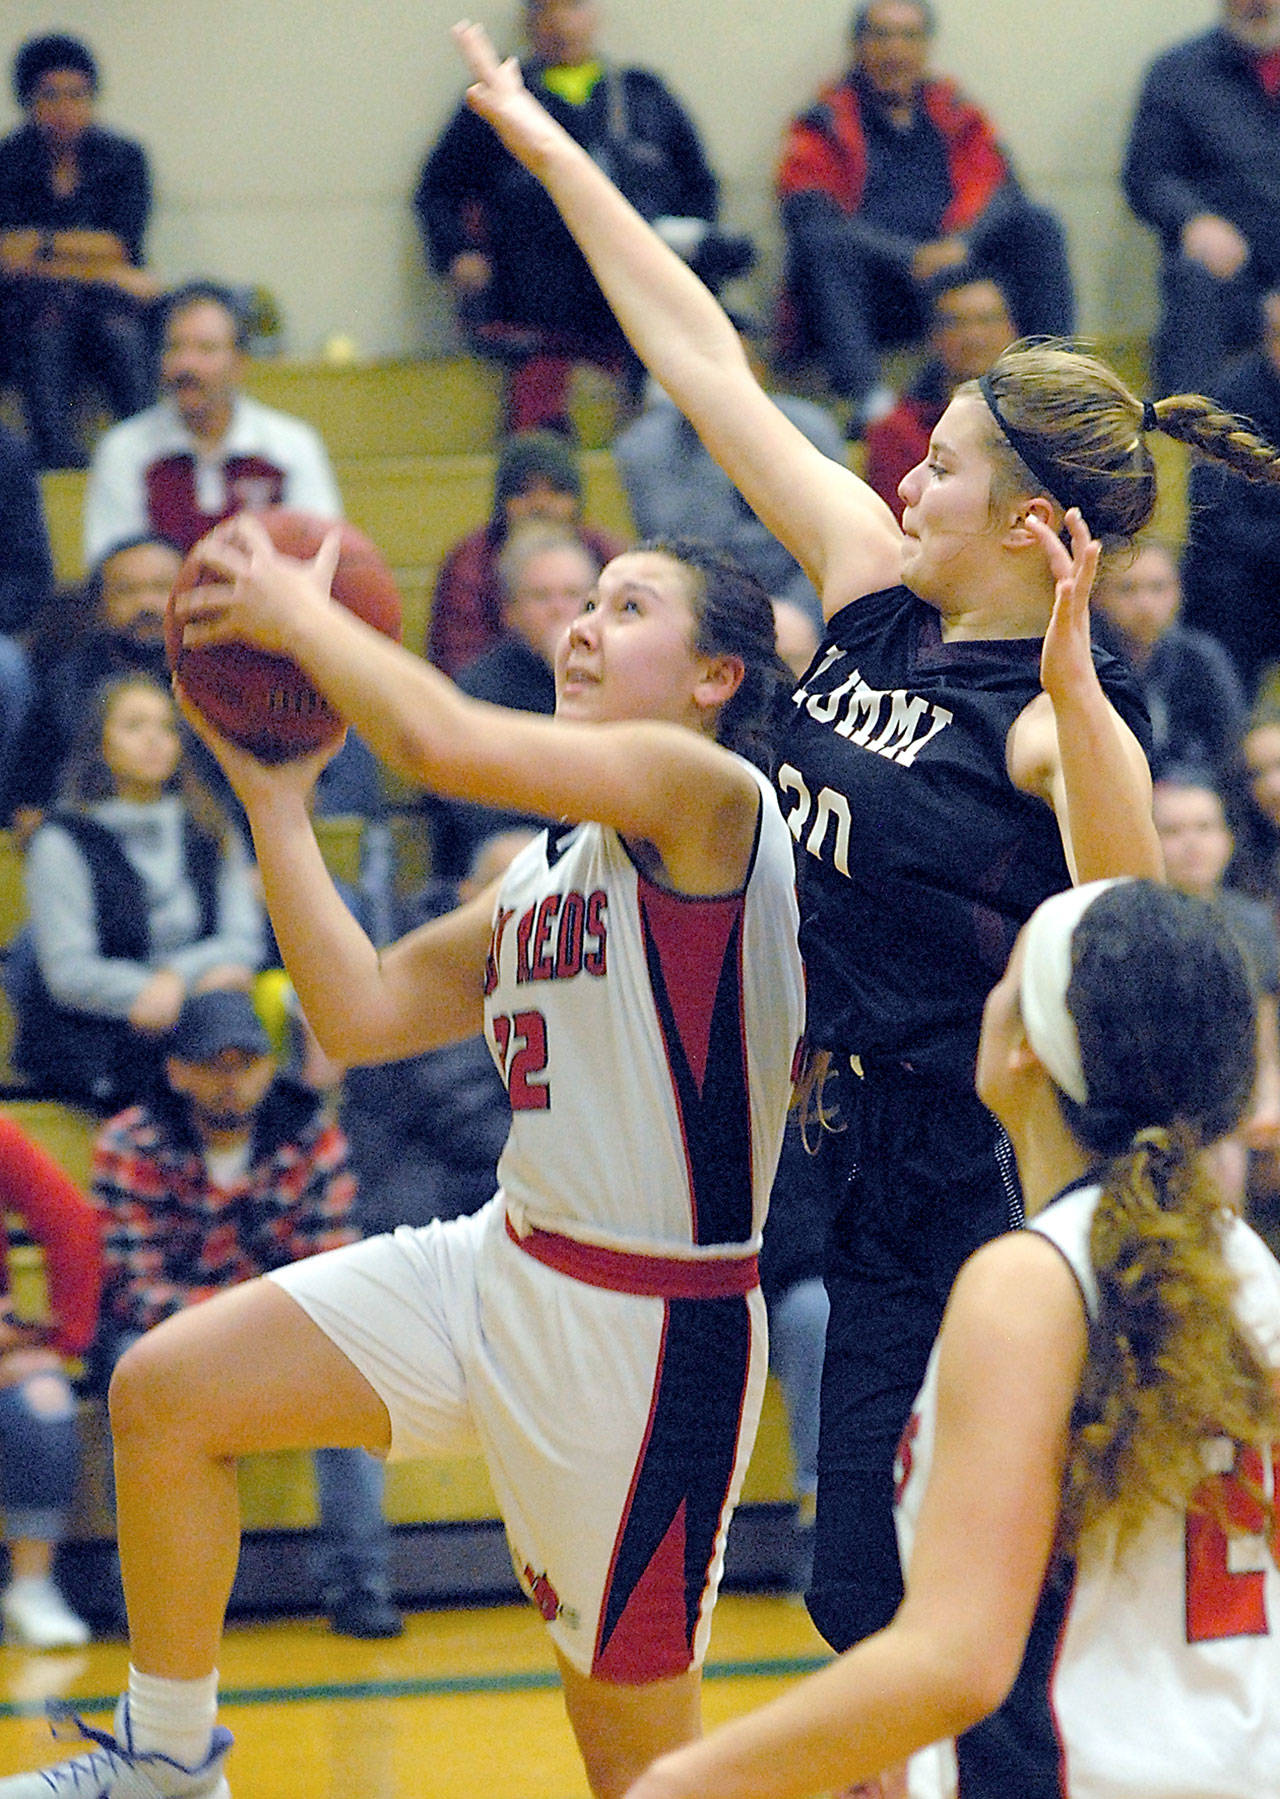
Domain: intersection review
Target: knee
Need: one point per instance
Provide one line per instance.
(144, 1396)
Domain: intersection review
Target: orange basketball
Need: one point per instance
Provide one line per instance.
(262, 701)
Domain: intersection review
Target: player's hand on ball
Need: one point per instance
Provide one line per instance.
(258, 595)
(249, 775)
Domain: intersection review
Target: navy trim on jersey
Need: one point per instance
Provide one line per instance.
(1018, 1752)
(705, 1049)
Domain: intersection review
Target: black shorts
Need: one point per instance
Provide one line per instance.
(929, 1177)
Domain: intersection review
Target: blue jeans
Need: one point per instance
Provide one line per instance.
(15, 703)
(39, 1456)
(797, 1337)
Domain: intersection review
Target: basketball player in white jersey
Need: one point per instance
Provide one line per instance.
(1087, 1492)
(597, 1330)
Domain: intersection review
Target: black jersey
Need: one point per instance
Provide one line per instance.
(919, 861)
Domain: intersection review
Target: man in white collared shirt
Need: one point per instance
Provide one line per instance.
(204, 450)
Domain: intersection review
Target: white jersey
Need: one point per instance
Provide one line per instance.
(647, 1041)
(1154, 1671)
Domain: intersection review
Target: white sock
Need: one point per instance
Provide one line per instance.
(173, 1717)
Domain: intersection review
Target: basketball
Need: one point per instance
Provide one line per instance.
(262, 701)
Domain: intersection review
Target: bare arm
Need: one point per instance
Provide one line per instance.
(363, 1005)
(1071, 747)
(1012, 1346)
(836, 527)
(655, 781)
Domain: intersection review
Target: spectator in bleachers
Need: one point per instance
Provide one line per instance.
(1231, 567)
(1197, 842)
(39, 1445)
(545, 574)
(426, 1132)
(1253, 802)
(230, 1170)
(26, 584)
(138, 893)
(969, 325)
(1190, 684)
(1202, 169)
(74, 204)
(537, 478)
(676, 488)
(119, 632)
(889, 177)
(520, 285)
(205, 449)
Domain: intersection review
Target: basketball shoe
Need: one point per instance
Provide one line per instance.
(114, 1769)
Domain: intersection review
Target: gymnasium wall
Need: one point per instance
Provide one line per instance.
(286, 135)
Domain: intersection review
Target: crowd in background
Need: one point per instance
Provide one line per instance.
(906, 226)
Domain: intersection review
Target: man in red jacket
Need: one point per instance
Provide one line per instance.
(891, 176)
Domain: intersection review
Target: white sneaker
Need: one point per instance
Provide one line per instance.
(36, 1616)
(115, 1770)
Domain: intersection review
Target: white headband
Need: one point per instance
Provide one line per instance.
(1046, 971)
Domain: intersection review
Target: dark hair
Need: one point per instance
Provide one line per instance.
(526, 457)
(862, 18)
(1190, 776)
(94, 581)
(1164, 1011)
(210, 293)
(39, 55)
(962, 274)
(86, 779)
(1085, 431)
(733, 616)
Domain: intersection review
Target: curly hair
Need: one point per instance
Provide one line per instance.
(1088, 431)
(1164, 1011)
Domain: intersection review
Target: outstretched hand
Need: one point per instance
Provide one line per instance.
(1066, 658)
(258, 595)
(498, 94)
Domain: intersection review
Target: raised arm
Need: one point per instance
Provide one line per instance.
(1071, 746)
(836, 527)
(364, 1005)
(663, 783)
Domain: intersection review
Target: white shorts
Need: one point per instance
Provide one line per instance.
(616, 1427)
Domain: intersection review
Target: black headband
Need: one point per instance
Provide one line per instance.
(1055, 480)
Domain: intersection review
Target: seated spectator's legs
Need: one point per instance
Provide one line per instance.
(353, 1562)
(39, 1460)
(1027, 252)
(853, 304)
(537, 396)
(797, 1339)
(117, 346)
(1202, 321)
(15, 703)
(41, 325)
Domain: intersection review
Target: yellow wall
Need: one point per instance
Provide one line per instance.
(287, 137)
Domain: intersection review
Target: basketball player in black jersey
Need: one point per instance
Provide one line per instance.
(955, 753)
